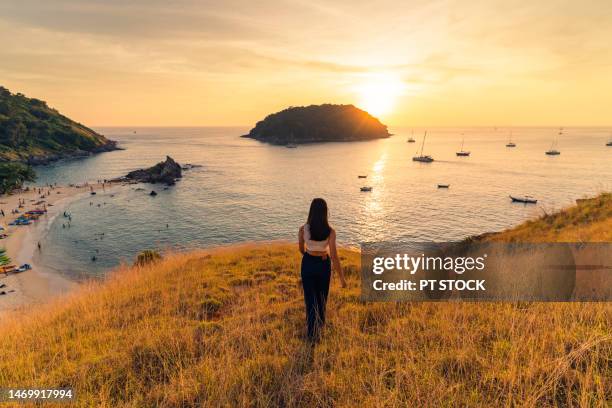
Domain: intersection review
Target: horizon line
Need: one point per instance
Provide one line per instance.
(400, 126)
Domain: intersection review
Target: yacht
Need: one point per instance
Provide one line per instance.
(462, 152)
(420, 157)
(411, 138)
(510, 142)
(553, 147)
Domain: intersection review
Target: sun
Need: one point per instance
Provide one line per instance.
(377, 93)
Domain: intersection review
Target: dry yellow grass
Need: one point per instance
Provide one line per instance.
(588, 221)
(224, 328)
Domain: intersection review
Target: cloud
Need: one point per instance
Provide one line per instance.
(279, 50)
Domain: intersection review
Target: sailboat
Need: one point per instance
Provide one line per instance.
(609, 141)
(462, 152)
(510, 142)
(411, 138)
(421, 157)
(553, 147)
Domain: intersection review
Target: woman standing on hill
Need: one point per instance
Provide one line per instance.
(317, 242)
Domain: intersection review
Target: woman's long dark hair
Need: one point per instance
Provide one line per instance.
(317, 220)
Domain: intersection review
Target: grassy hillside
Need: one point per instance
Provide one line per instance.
(32, 131)
(224, 328)
(590, 220)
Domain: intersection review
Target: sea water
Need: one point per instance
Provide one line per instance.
(251, 191)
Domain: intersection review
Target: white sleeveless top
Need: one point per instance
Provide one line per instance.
(311, 245)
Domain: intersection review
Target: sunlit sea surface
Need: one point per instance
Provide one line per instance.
(250, 191)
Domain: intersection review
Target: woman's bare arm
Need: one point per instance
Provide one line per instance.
(335, 260)
(301, 240)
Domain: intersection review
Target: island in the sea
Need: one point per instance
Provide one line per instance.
(318, 123)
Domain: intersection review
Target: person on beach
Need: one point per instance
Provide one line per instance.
(317, 243)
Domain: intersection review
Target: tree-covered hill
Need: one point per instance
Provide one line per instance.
(13, 175)
(318, 123)
(32, 132)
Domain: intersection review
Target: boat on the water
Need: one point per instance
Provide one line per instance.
(362, 176)
(291, 145)
(462, 153)
(411, 138)
(553, 147)
(420, 157)
(366, 188)
(609, 142)
(510, 142)
(423, 159)
(443, 185)
(525, 199)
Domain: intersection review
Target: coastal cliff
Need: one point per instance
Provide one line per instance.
(33, 133)
(318, 123)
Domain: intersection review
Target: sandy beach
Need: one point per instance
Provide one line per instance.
(37, 284)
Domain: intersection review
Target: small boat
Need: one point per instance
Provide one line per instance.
(362, 176)
(462, 153)
(420, 157)
(93, 193)
(366, 188)
(423, 159)
(553, 147)
(291, 145)
(524, 200)
(510, 142)
(411, 138)
(443, 185)
(609, 142)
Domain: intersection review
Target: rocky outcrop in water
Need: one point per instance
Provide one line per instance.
(166, 172)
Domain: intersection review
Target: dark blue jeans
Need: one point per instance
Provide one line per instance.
(316, 273)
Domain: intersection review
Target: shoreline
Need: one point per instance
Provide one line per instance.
(38, 284)
(41, 284)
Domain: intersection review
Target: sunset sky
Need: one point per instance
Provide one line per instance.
(164, 63)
